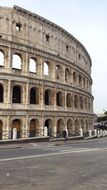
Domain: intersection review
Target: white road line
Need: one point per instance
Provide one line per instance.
(50, 154)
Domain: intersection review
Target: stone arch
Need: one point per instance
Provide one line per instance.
(16, 94)
(69, 100)
(34, 128)
(33, 65)
(81, 102)
(70, 127)
(59, 99)
(77, 126)
(48, 97)
(58, 72)
(74, 77)
(49, 125)
(46, 68)
(17, 61)
(76, 101)
(1, 129)
(80, 81)
(67, 74)
(84, 82)
(1, 58)
(34, 96)
(1, 93)
(60, 127)
(16, 126)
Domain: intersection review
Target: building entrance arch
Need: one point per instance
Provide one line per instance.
(16, 129)
(34, 128)
(48, 127)
(60, 127)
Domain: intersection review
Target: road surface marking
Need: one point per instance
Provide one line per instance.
(49, 154)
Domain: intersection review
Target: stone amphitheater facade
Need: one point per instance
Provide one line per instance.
(45, 78)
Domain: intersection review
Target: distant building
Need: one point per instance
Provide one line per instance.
(45, 78)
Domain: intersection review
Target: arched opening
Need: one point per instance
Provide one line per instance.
(77, 127)
(67, 74)
(81, 102)
(60, 127)
(69, 127)
(75, 101)
(84, 82)
(46, 68)
(1, 129)
(49, 126)
(1, 58)
(32, 65)
(48, 97)
(59, 99)
(16, 129)
(80, 80)
(69, 100)
(89, 105)
(74, 77)
(34, 98)
(34, 128)
(58, 72)
(16, 95)
(1, 93)
(17, 62)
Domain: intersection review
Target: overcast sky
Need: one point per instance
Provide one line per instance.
(87, 21)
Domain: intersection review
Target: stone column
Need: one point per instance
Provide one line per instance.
(55, 128)
(6, 128)
(8, 60)
(40, 67)
(41, 128)
(24, 92)
(42, 97)
(54, 98)
(53, 72)
(63, 74)
(25, 64)
(65, 100)
(25, 127)
(9, 92)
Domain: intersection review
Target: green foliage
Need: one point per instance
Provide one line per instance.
(103, 118)
(105, 112)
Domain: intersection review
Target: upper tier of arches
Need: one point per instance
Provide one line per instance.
(32, 30)
(48, 69)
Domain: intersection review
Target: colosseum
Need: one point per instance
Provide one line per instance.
(45, 78)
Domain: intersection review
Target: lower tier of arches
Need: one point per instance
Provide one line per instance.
(13, 127)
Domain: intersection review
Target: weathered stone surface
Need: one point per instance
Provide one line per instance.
(45, 77)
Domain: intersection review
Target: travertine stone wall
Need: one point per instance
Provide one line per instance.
(45, 78)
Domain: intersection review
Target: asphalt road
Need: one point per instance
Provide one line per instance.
(75, 165)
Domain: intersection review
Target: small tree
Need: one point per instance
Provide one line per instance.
(105, 112)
